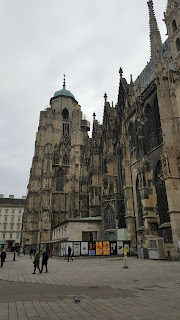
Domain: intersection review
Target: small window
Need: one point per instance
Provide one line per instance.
(12, 218)
(19, 211)
(56, 161)
(11, 226)
(10, 235)
(174, 25)
(4, 235)
(19, 219)
(13, 210)
(65, 114)
(5, 218)
(6, 211)
(4, 227)
(18, 227)
(178, 44)
(65, 160)
(17, 236)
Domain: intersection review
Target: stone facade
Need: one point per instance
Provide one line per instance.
(129, 171)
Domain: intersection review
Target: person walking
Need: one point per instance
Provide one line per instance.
(31, 252)
(44, 261)
(34, 250)
(3, 257)
(36, 262)
(69, 254)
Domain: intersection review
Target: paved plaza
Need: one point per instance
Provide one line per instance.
(146, 290)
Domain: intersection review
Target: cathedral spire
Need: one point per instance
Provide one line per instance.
(155, 37)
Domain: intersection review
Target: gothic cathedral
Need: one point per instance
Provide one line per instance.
(128, 172)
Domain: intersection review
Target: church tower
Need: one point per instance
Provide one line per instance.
(155, 37)
(172, 20)
(57, 188)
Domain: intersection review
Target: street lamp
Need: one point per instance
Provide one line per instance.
(40, 238)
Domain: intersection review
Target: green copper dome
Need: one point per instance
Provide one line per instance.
(64, 92)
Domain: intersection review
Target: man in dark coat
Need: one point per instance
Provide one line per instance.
(44, 261)
(3, 257)
(36, 262)
(69, 253)
(31, 252)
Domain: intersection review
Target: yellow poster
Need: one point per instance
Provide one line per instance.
(106, 248)
(98, 248)
(125, 251)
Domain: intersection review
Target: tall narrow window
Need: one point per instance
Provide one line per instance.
(65, 114)
(109, 216)
(65, 160)
(139, 203)
(174, 25)
(178, 44)
(65, 129)
(162, 204)
(60, 180)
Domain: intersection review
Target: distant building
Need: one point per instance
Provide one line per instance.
(11, 216)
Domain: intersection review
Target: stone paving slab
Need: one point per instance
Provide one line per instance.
(146, 290)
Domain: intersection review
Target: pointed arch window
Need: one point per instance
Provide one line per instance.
(162, 204)
(174, 25)
(66, 160)
(65, 114)
(109, 214)
(178, 44)
(60, 180)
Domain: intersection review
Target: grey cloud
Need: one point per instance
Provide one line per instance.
(40, 41)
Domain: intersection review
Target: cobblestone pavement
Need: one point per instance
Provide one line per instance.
(146, 290)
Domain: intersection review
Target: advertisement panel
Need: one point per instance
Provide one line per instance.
(99, 248)
(76, 248)
(69, 244)
(106, 248)
(84, 248)
(120, 247)
(92, 249)
(62, 249)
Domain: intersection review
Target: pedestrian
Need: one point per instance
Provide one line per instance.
(3, 257)
(44, 261)
(36, 262)
(34, 251)
(69, 254)
(24, 251)
(18, 251)
(31, 252)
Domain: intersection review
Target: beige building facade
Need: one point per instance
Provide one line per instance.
(11, 217)
(128, 172)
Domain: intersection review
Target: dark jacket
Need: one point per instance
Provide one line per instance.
(36, 260)
(45, 258)
(69, 250)
(31, 251)
(3, 256)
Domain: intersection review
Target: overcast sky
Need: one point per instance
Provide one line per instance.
(40, 41)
